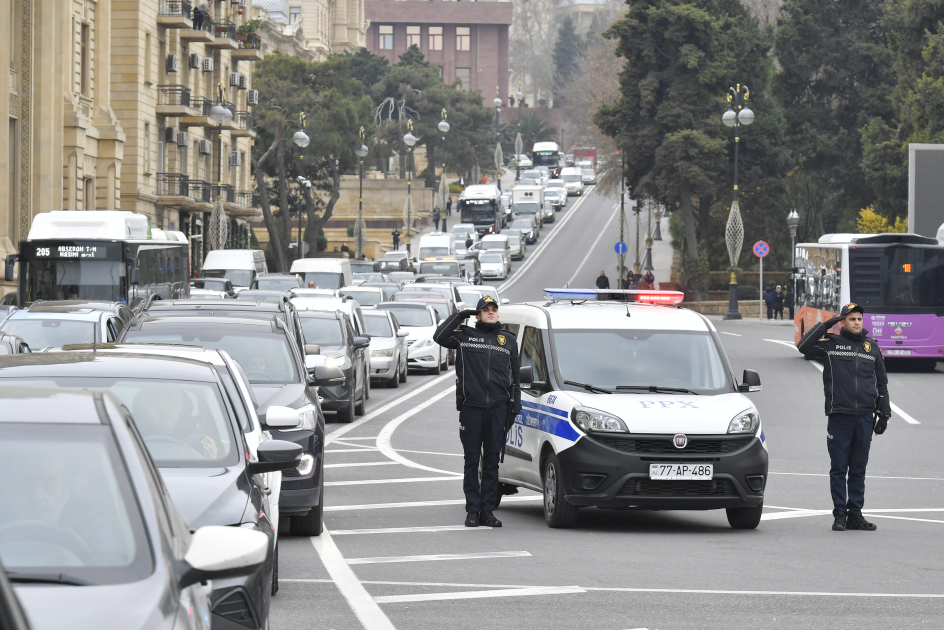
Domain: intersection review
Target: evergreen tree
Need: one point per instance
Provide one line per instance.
(567, 52)
(413, 57)
(366, 67)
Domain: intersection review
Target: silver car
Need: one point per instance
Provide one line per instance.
(516, 242)
(388, 347)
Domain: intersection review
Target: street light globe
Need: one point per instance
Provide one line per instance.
(409, 139)
(497, 101)
(443, 126)
(793, 220)
(218, 114)
(519, 96)
(745, 116)
(729, 118)
(361, 151)
(301, 138)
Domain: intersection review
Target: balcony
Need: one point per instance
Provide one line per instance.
(250, 48)
(175, 14)
(199, 115)
(242, 126)
(173, 100)
(204, 34)
(226, 191)
(173, 189)
(247, 199)
(224, 35)
(201, 194)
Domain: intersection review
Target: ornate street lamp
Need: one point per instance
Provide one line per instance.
(793, 222)
(443, 127)
(301, 138)
(410, 140)
(738, 114)
(658, 234)
(359, 227)
(498, 103)
(219, 225)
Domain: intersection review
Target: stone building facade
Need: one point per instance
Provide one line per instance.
(325, 26)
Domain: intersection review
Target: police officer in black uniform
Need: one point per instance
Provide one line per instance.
(488, 397)
(857, 404)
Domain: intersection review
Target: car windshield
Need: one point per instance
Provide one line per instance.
(526, 208)
(529, 181)
(514, 239)
(433, 252)
(212, 284)
(239, 277)
(364, 298)
(522, 224)
(588, 172)
(266, 357)
(378, 325)
(500, 245)
(277, 284)
(401, 276)
(463, 229)
(50, 333)
(362, 267)
(572, 178)
(69, 510)
(412, 317)
(76, 280)
(555, 183)
(640, 358)
(324, 279)
(492, 258)
(445, 268)
(322, 331)
(440, 308)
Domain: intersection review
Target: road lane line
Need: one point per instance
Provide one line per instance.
(734, 334)
(402, 450)
(782, 343)
(372, 437)
(359, 465)
(502, 592)
(904, 518)
(412, 504)
(331, 437)
(592, 248)
(365, 608)
(441, 557)
(351, 450)
(371, 482)
(363, 447)
(383, 440)
(410, 530)
(793, 474)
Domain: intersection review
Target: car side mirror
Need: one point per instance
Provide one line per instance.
(281, 417)
(328, 376)
(525, 376)
(402, 333)
(460, 306)
(361, 342)
(275, 455)
(750, 382)
(135, 276)
(217, 552)
(312, 348)
(10, 267)
(505, 301)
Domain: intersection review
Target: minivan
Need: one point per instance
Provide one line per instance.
(326, 273)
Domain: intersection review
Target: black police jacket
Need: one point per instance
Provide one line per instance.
(853, 374)
(486, 363)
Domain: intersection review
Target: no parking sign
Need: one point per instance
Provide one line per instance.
(761, 249)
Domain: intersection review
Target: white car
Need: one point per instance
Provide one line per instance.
(560, 185)
(494, 265)
(420, 321)
(207, 294)
(523, 161)
(631, 404)
(388, 347)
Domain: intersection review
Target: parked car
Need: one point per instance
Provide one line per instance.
(54, 324)
(388, 347)
(420, 321)
(217, 285)
(277, 282)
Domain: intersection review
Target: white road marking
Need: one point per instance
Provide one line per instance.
(732, 334)
(347, 428)
(895, 408)
(870, 477)
(351, 450)
(412, 504)
(441, 557)
(793, 514)
(503, 592)
(371, 482)
(348, 439)
(558, 228)
(904, 518)
(592, 248)
(383, 440)
(783, 343)
(801, 513)
(410, 530)
(358, 465)
(368, 612)
(363, 447)
(402, 450)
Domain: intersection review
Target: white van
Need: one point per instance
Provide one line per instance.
(528, 200)
(326, 273)
(240, 266)
(573, 180)
(435, 245)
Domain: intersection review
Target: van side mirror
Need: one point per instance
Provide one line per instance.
(750, 382)
(135, 276)
(525, 376)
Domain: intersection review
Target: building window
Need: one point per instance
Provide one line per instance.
(147, 59)
(183, 160)
(413, 36)
(463, 38)
(147, 148)
(89, 183)
(84, 60)
(464, 75)
(439, 70)
(435, 38)
(13, 183)
(294, 13)
(386, 37)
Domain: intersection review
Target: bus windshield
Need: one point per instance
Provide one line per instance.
(914, 277)
(52, 279)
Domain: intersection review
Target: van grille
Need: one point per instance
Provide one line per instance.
(651, 488)
(664, 444)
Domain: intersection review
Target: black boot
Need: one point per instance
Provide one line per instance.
(471, 519)
(488, 519)
(856, 521)
(839, 523)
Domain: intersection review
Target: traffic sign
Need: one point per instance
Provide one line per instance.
(621, 248)
(761, 249)
(305, 248)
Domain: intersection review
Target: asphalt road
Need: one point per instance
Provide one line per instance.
(395, 554)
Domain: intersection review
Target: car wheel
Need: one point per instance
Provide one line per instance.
(361, 407)
(275, 570)
(444, 366)
(346, 415)
(745, 517)
(395, 381)
(403, 373)
(558, 513)
(311, 524)
(436, 370)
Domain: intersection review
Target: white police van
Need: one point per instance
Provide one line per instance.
(629, 401)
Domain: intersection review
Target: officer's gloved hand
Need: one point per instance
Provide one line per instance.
(469, 312)
(829, 323)
(881, 424)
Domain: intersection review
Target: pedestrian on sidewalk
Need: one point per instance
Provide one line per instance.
(396, 239)
(488, 397)
(449, 206)
(769, 301)
(602, 281)
(791, 296)
(778, 302)
(856, 387)
(650, 279)
(436, 216)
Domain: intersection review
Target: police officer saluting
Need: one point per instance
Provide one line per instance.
(488, 397)
(857, 404)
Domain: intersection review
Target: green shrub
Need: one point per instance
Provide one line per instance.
(455, 189)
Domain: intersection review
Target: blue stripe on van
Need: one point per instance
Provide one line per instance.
(549, 420)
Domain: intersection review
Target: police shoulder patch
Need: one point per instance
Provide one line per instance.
(867, 346)
(501, 340)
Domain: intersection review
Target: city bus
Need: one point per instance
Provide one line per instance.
(897, 278)
(547, 154)
(107, 255)
(481, 206)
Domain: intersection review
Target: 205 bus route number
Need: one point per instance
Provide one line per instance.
(680, 471)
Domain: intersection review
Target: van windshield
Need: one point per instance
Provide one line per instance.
(239, 277)
(493, 245)
(433, 252)
(572, 178)
(324, 279)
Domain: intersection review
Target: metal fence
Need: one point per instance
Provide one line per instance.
(173, 95)
(176, 8)
(173, 185)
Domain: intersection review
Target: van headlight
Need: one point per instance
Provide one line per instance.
(595, 420)
(744, 423)
(308, 415)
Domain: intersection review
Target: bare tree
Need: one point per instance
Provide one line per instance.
(531, 44)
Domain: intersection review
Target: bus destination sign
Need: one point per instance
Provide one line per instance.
(72, 251)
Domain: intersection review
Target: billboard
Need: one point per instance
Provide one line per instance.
(925, 188)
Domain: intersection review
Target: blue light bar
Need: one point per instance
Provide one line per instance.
(644, 296)
(571, 294)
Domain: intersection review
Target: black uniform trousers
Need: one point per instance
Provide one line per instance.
(848, 439)
(482, 432)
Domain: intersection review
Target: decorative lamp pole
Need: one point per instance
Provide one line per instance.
(647, 264)
(498, 155)
(359, 227)
(738, 114)
(301, 140)
(518, 147)
(409, 139)
(636, 264)
(793, 222)
(658, 234)
(621, 258)
(219, 227)
(519, 95)
(443, 187)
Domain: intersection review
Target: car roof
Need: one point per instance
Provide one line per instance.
(320, 314)
(254, 323)
(104, 364)
(185, 351)
(81, 314)
(428, 300)
(67, 306)
(405, 304)
(361, 287)
(21, 405)
(610, 315)
(195, 305)
(266, 293)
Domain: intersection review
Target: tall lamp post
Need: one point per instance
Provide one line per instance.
(443, 127)
(361, 153)
(301, 140)
(410, 140)
(793, 222)
(498, 103)
(219, 228)
(738, 114)
(519, 95)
